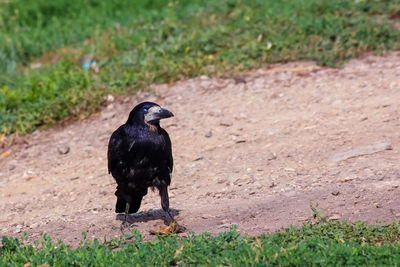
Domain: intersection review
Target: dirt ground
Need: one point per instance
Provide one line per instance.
(253, 151)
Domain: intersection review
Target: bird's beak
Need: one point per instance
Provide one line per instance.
(164, 113)
(157, 113)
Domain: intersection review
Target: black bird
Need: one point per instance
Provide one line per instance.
(139, 157)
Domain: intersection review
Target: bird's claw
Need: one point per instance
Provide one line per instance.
(170, 217)
(125, 225)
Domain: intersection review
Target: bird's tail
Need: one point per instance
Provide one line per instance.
(133, 207)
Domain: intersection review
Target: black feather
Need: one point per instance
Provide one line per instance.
(140, 156)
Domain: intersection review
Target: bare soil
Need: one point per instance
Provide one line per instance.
(254, 151)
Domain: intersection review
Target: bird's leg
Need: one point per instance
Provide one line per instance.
(177, 228)
(165, 201)
(170, 216)
(125, 223)
(126, 212)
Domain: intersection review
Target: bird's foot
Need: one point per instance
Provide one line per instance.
(173, 224)
(177, 228)
(125, 226)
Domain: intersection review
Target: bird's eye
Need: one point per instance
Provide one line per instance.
(145, 110)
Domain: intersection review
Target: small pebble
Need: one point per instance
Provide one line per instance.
(18, 228)
(271, 156)
(335, 217)
(63, 149)
(226, 124)
(222, 180)
(335, 193)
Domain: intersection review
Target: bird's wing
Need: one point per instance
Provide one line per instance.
(168, 150)
(116, 150)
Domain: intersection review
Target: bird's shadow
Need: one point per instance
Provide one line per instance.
(150, 215)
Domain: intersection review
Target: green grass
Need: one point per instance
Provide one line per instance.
(163, 41)
(314, 244)
(30, 28)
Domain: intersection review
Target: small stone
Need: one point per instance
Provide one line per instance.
(271, 156)
(335, 193)
(225, 124)
(302, 219)
(335, 217)
(18, 228)
(222, 180)
(225, 225)
(19, 206)
(286, 189)
(63, 149)
(378, 206)
(208, 134)
(109, 98)
(361, 151)
(33, 225)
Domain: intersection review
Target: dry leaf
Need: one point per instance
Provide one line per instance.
(178, 251)
(183, 235)
(172, 228)
(162, 231)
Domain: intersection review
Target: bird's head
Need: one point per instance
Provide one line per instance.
(149, 113)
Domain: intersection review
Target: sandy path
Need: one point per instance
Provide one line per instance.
(254, 153)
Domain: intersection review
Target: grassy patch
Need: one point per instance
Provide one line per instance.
(163, 41)
(322, 243)
(30, 28)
